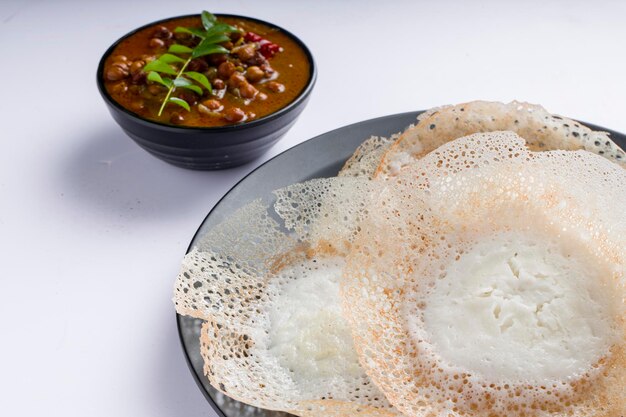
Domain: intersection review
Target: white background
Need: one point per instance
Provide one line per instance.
(92, 228)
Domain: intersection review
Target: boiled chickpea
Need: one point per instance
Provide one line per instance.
(181, 36)
(245, 53)
(139, 77)
(276, 87)
(198, 65)
(226, 69)
(236, 80)
(254, 74)
(156, 43)
(162, 33)
(212, 104)
(119, 58)
(234, 114)
(204, 110)
(189, 96)
(267, 69)
(116, 73)
(137, 66)
(218, 84)
(211, 73)
(216, 59)
(122, 65)
(247, 90)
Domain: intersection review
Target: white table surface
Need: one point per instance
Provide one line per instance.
(92, 228)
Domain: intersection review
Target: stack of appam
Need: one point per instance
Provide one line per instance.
(474, 264)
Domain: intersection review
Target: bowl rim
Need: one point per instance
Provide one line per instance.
(306, 91)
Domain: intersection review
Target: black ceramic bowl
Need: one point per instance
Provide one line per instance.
(208, 147)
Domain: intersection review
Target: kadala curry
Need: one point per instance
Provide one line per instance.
(205, 71)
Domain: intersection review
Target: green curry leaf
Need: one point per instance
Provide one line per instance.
(179, 101)
(192, 31)
(179, 49)
(160, 66)
(185, 83)
(169, 58)
(211, 35)
(200, 79)
(155, 77)
(217, 38)
(220, 28)
(208, 50)
(208, 19)
(193, 88)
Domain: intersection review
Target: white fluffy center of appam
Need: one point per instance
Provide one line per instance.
(521, 308)
(308, 334)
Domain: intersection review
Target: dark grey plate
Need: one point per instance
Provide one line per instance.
(321, 156)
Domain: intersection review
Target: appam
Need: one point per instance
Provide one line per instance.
(266, 285)
(541, 130)
(362, 164)
(489, 280)
(366, 158)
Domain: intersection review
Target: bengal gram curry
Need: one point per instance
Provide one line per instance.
(257, 70)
